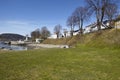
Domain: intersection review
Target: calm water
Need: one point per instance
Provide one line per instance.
(11, 47)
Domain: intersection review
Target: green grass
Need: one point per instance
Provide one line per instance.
(81, 63)
(96, 57)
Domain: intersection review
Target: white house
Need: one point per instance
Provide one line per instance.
(38, 40)
(93, 27)
(68, 34)
(76, 32)
(53, 36)
(117, 23)
(90, 28)
(20, 42)
(87, 30)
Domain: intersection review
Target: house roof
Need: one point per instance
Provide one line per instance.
(76, 31)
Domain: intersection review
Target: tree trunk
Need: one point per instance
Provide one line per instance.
(72, 29)
(81, 28)
(71, 33)
(57, 35)
(98, 25)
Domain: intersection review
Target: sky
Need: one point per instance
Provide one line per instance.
(24, 16)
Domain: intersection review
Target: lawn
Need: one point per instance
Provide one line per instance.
(61, 64)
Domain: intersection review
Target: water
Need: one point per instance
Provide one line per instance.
(11, 47)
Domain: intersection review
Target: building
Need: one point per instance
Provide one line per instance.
(76, 32)
(117, 23)
(93, 27)
(53, 36)
(38, 40)
(26, 38)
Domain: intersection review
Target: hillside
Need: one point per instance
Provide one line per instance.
(105, 38)
(81, 63)
(11, 37)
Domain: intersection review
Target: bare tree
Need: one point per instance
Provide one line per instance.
(45, 32)
(81, 14)
(35, 34)
(111, 14)
(57, 30)
(65, 32)
(99, 7)
(71, 23)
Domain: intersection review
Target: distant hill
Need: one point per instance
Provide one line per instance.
(11, 37)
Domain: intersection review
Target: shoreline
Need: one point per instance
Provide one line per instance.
(30, 46)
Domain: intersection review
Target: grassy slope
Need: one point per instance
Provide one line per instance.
(61, 64)
(95, 58)
(107, 38)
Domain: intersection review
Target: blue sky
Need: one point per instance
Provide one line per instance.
(24, 16)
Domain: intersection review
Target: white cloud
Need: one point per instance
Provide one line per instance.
(20, 27)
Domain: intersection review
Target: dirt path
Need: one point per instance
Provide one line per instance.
(48, 46)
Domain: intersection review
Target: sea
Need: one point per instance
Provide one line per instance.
(11, 47)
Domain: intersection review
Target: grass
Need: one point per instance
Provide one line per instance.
(83, 63)
(96, 57)
(107, 38)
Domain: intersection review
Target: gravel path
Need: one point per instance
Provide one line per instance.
(48, 46)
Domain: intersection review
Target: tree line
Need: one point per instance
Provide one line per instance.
(44, 33)
(101, 9)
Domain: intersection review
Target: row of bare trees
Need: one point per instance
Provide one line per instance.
(43, 33)
(101, 9)
(57, 30)
(77, 19)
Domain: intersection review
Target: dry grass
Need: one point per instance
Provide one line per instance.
(107, 38)
(81, 63)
